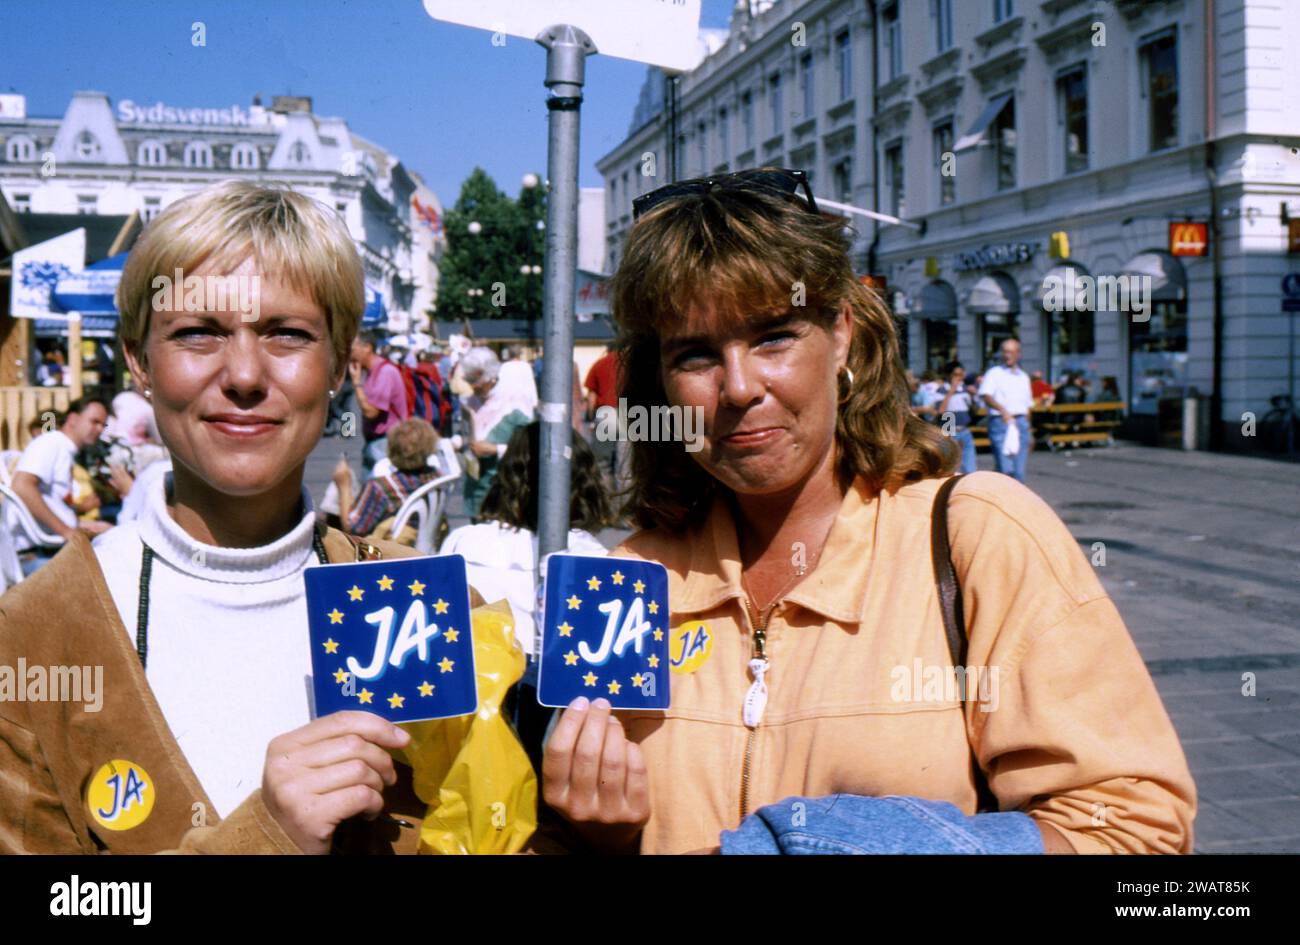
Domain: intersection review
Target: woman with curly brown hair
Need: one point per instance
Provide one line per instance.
(813, 658)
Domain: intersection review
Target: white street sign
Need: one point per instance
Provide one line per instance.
(658, 32)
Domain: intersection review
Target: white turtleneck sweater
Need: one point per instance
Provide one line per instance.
(229, 660)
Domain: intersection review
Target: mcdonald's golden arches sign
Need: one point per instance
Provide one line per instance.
(1189, 239)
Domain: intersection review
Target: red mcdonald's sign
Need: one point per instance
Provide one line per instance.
(879, 283)
(1188, 239)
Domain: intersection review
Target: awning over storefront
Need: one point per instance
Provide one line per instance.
(92, 326)
(978, 131)
(1168, 278)
(91, 291)
(1061, 280)
(994, 294)
(937, 300)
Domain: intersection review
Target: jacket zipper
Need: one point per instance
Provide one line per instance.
(760, 652)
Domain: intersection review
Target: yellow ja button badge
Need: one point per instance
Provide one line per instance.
(120, 796)
(690, 646)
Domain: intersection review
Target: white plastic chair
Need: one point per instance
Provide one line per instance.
(427, 504)
(11, 569)
(7, 457)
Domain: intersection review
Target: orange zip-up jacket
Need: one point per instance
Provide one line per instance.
(1060, 710)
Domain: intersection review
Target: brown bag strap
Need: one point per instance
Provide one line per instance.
(954, 619)
(364, 550)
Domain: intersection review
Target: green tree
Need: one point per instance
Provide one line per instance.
(481, 273)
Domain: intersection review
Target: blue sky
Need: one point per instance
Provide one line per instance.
(439, 96)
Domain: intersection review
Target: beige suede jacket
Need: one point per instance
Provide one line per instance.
(63, 615)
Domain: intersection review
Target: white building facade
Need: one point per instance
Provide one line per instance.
(140, 157)
(1030, 140)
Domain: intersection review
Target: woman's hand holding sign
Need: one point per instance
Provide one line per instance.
(331, 769)
(596, 778)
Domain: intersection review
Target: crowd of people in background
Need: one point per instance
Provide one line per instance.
(82, 469)
(1006, 395)
(449, 410)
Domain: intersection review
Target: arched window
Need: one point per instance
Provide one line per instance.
(20, 148)
(1068, 298)
(1157, 342)
(936, 306)
(152, 154)
(298, 154)
(198, 154)
(243, 157)
(87, 146)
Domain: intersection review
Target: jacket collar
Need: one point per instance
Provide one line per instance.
(124, 662)
(836, 588)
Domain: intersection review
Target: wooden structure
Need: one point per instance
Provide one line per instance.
(19, 406)
(1062, 425)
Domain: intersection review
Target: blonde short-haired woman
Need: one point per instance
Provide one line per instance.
(238, 306)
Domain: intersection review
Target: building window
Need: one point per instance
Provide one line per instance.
(1003, 10)
(702, 148)
(152, 207)
(243, 157)
(87, 146)
(151, 154)
(774, 99)
(1004, 145)
(942, 24)
(945, 160)
(844, 64)
(1072, 334)
(299, 155)
(893, 40)
(724, 144)
(806, 84)
(1072, 107)
(20, 148)
(341, 207)
(1160, 73)
(22, 203)
(627, 194)
(747, 118)
(843, 177)
(198, 154)
(87, 204)
(894, 177)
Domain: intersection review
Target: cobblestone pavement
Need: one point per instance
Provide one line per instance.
(1202, 557)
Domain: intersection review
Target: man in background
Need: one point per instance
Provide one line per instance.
(1005, 391)
(43, 479)
(602, 385)
(381, 397)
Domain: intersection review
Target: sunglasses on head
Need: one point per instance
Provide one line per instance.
(773, 180)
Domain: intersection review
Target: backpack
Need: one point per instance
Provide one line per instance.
(423, 396)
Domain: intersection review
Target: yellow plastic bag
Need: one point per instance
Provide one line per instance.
(472, 771)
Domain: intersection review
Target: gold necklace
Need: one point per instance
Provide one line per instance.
(794, 579)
